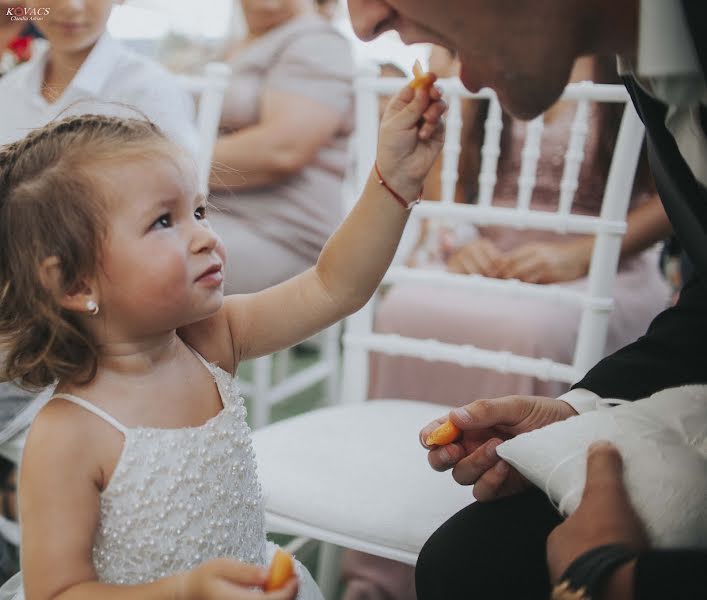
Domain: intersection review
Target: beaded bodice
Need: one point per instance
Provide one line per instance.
(179, 497)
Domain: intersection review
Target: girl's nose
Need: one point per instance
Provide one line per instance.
(204, 238)
(368, 17)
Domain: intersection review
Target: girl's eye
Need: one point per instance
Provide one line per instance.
(162, 222)
(200, 213)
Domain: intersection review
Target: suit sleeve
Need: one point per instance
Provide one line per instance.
(673, 352)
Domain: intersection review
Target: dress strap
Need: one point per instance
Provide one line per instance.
(206, 363)
(94, 409)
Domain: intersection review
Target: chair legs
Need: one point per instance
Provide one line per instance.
(260, 405)
(331, 353)
(329, 569)
(282, 366)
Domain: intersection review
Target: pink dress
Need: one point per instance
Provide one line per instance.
(523, 326)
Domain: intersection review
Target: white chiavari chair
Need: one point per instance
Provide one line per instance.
(353, 475)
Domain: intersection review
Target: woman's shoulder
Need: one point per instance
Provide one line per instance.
(306, 31)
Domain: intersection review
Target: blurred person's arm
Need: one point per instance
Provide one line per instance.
(291, 131)
(306, 100)
(551, 262)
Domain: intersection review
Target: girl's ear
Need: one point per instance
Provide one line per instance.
(75, 299)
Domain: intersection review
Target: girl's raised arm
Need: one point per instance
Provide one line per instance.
(355, 258)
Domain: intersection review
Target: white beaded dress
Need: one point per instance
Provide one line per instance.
(179, 497)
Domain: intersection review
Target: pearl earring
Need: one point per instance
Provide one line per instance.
(92, 307)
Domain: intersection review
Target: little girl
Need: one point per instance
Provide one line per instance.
(138, 478)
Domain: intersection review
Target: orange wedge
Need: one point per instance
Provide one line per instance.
(421, 79)
(446, 433)
(282, 569)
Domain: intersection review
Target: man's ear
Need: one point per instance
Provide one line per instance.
(74, 299)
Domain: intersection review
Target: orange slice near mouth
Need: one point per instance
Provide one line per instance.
(421, 79)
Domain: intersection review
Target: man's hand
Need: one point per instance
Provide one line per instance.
(604, 516)
(485, 424)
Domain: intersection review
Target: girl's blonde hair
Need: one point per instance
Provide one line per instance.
(52, 205)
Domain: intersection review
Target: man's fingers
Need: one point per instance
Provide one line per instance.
(427, 429)
(468, 470)
(445, 457)
(489, 486)
(604, 474)
(481, 414)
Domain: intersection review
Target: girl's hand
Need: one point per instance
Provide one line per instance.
(226, 579)
(411, 136)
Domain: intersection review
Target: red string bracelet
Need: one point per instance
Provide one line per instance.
(406, 205)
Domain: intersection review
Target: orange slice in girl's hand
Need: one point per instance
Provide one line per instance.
(446, 433)
(421, 79)
(282, 569)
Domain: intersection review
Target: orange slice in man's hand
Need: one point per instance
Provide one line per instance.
(446, 433)
(421, 79)
(282, 569)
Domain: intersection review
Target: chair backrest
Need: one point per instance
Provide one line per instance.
(608, 228)
(208, 90)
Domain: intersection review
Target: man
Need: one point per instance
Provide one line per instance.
(524, 50)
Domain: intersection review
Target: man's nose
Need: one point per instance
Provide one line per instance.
(368, 17)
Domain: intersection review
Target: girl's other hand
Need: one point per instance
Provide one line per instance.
(411, 136)
(226, 579)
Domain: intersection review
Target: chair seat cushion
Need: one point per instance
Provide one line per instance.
(360, 471)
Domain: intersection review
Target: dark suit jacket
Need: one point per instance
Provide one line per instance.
(674, 350)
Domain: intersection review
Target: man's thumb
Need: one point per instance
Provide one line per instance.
(604, 471)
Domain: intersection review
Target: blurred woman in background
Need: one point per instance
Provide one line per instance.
(280, 162)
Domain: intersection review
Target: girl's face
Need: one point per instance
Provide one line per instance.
(73, 25)
(162, 264)
(263, 15)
